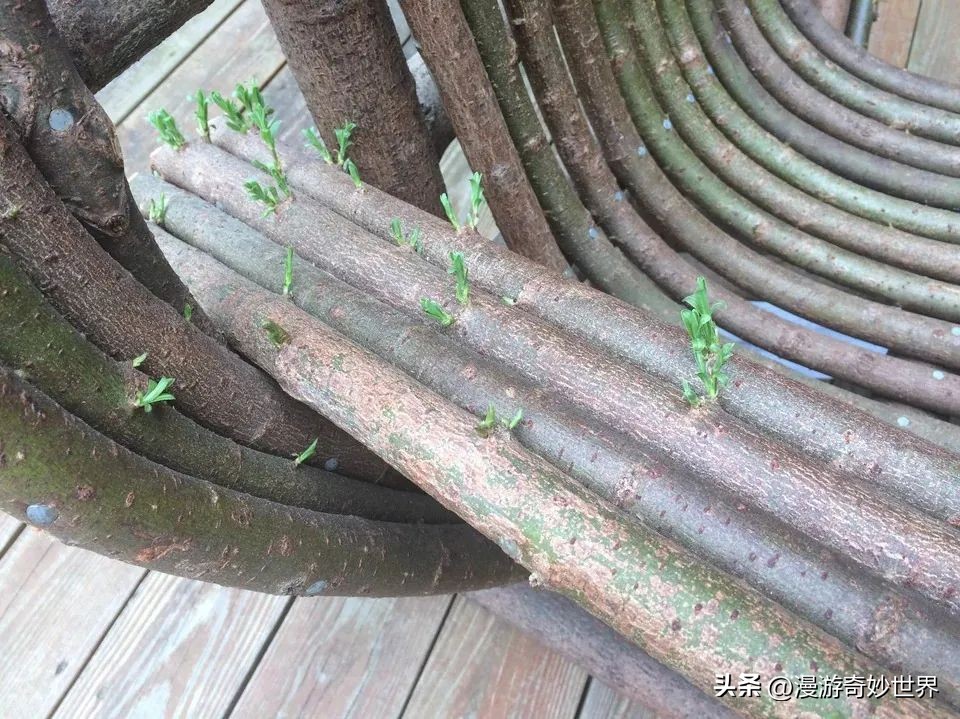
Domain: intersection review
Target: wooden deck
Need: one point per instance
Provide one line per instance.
(85, 636)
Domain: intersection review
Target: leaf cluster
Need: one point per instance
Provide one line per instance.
(156, 394)
(489, 421)
(458, 268)
(157, 209)
(433, 309)
(166, 127)
(414, 239)
(710, 355)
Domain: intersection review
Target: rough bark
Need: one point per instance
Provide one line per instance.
(839, 121)
(347, 60)
(846, 159)
(642, 585)
(119, 315)
(829, 39)
(46, 351)
(73, 144)
(104, 38)
(917, 118)
(63, 477)
(797, 414)
(451, 55)
(804, 578)
(783, 160)
(803, 493)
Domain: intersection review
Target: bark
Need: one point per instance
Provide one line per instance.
(450, 53)
(347, 60)
(559, 624)
(119, 315)
(759, 190)
(630, 158)
(858, 61)
(581, 239)
(797, 414)
(46, 351)
(823, 112)
(846, 159)
(781, 159)
(71, 140)
(63, 477)
(835, 82)
(860, 20)
(806, 579)
(768, 233)
(642, 585)
(805, 494)
(105, 38)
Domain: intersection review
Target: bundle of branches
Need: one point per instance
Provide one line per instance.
(715, 512)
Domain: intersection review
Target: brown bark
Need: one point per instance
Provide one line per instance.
(63, 477)
(639, 583)
(801, 576)
(818, 426)
(347, 60)
(452, 57)
(119, 315)
(104, 37)
(72, 143)
(803, 493)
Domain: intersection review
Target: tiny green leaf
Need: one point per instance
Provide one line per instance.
(157, 209)
(233, 113)
(307, 453)
(344, 142)
(489, 421)
(458, 269)
(138, 360)
(448, 208)
(202, 113)
(156, 394)
(188, 312)
(476, 199)
(316, 142)
(435, 310)
(354, 173)
(515, 420)
(166, 127)
(288, 272)
(396, 231)
(710, 356)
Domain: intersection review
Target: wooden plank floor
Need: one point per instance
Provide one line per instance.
(85, 636)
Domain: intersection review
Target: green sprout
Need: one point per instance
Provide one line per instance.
(458, 269)
(156, 394)
(354, 173)
(202, 113)
(268, 195)
(448, 208)
(233, 113)
(476, 200)
(275, 333)
(188, 312)
(710, 355)
(307, 453)
(414, 239)
(515, 420)
(489, 421)
(344, 142)
(316, 142)
(433, 309)
(508, 301)
(250, 98)
(138, 360)
(166, 126)
(157, 209)
(288, 272)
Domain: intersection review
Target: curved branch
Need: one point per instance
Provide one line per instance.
(63, 477)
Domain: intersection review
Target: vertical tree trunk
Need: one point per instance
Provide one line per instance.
(346, 57)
